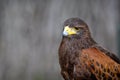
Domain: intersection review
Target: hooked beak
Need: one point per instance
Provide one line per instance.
(69, 31)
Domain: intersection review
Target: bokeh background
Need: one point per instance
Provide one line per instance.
(31, 31)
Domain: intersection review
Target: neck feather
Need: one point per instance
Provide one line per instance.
(82, 43)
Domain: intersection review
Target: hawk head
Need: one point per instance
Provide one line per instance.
(75, 28)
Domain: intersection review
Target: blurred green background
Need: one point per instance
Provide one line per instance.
(30, 33)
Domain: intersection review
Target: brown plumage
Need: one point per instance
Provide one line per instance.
(81, 58)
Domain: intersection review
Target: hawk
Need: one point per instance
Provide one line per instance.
(81, 58)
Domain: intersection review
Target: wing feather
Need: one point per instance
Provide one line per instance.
(100, 65)
(111, 55)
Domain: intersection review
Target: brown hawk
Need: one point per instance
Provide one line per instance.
(81, 58)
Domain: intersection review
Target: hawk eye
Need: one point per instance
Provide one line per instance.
(76, 28)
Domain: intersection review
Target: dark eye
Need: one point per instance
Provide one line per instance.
(77, 28)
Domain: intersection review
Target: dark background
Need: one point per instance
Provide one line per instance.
(31, 31)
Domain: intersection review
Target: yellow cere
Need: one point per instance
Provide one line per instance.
(70, 31)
